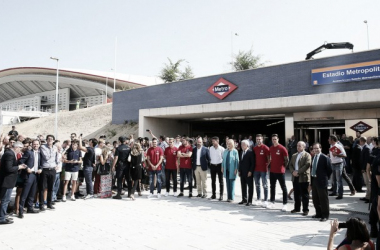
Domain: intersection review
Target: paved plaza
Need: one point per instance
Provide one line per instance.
(175, 223)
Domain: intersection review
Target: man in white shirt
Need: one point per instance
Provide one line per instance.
(337, 153)
(216, 155)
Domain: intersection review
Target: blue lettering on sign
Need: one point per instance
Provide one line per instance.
(346, 74)
(221, 88)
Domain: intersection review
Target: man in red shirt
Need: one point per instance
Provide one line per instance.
(184, 153)
(155, 156)
(262, 154)
(171, 169)
(279, 159)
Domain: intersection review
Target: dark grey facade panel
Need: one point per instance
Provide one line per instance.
(293, 79)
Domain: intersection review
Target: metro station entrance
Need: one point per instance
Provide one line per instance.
(318, 132)
(235, 126)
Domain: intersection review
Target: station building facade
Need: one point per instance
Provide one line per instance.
(307, 99)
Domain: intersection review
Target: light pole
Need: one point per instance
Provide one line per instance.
(114, 72)
(106, 88)
(365, 21)
(56, 100)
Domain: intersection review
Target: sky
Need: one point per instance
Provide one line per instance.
(82, 34)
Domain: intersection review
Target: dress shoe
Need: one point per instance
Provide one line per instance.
(5, 222)
(53, 203)
(295, 211)
(180, 195)
(42, 209)
(330, 189)
(353, 193)
(199, 195)
(333, 194)
(50, 206)
(366, 202)
(364, 199)
(221, 198)
(57, 201)
(204, 196)
(248, 204)
(316, 216)
(305, 213)
(21, 216)
(213, 197)
(290, 198)
(190, 195)
(32, 211)
(242, 202)
(117, 197)
(323, 219)
(339, 197)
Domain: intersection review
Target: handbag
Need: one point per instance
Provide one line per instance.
(104, 169)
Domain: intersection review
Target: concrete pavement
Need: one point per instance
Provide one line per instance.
(175, 223)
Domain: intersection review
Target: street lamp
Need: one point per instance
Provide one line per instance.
(365, 21)
(56, 99)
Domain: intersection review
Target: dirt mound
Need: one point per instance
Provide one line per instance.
(92, 122)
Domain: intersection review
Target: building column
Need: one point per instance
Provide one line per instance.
(289, 127)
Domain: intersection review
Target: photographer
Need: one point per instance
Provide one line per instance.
(357, 235)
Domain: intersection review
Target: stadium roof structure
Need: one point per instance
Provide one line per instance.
(16, 83)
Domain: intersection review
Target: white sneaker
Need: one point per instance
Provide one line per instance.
(158, 196)
(284, 208)
(64, 198)
(150, 196)
(73, 198)
(265, 204)
(166, 194)
(89, 196)
(258, 203)
(175, 194)
(270, 205)
(95, 196)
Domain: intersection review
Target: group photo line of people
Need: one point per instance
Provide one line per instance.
(46, 171)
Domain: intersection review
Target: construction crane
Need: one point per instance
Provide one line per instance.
(330, 46)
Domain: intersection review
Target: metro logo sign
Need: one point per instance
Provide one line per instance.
(221, 88)
(361, 127)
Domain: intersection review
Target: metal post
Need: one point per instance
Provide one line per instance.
(106, 88)
(56, 100)
(366, 22)
(114, 71)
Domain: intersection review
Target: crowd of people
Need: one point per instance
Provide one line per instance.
(45, 170)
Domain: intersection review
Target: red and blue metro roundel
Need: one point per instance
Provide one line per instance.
(221, 88)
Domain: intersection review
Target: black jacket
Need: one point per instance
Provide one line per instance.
(27, 159)
(8, 170)
(364, 157)
(324, 170)
(247, 164)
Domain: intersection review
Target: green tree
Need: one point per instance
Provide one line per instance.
(247, 60)
(172, 72)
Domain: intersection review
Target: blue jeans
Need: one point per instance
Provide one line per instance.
(183, 173)
(151, 180)
(263, 176)
(87, 171)
(56, 186)
(163, 177)
(230, 183)
(337, 178)
(5, 196)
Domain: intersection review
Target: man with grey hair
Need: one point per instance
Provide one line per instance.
(201, 162)
(299, 166)
(8, 177)
(246, 170)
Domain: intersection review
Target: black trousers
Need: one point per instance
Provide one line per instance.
(273, 177)
(347, 179)
(357, 179)
(216, 170)
(173, 174)
(28, 192)
(47, 179)
(122, 171)
(320, 200)
(301, 194)
(246, 181)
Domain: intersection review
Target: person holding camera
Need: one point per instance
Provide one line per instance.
(357, 235)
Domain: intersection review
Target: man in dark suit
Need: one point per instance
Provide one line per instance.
(364, 159)
(201, 161)
(321, 170)
(8, 178)
(29, 175)
(246, 170)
